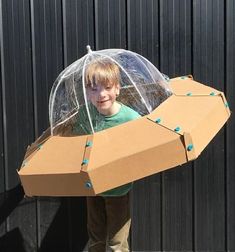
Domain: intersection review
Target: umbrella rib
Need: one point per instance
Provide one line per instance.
(84, 93)
(76, 98)
(167, 86)
(52, 106)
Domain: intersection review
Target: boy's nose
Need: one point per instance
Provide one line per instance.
(102, 92)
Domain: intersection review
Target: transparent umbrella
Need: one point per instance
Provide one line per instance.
(142, 88)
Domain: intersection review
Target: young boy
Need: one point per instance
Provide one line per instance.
(108, 215)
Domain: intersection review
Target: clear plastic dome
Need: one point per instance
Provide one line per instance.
(140, 86)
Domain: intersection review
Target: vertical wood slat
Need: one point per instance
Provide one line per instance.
(175, 60)
(177, 205)
(2, 154)
(209, 170)
(230, 93)
(143, 28)
(18, 126)
(17, 87)
(54, 225)
(146, 215)
(47, 43)
(146, 197)
(78, 28)
(110, 24)
(2, 173)
(2, 166)
(77, 224)
(46, 18)
(175, 37)
(2, 187)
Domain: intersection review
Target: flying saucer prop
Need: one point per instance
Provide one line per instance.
(167, 135)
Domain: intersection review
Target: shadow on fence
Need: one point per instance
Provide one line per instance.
(65, 231)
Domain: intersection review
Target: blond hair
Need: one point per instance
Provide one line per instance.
(102, 71)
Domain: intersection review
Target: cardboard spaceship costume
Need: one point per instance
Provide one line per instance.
(179, 117)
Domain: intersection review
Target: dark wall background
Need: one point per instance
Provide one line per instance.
(189, 208)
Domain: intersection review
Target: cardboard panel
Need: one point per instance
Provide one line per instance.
(73, 184)
(187, 86)
(58, 155)
(138, 165)
(186, 112)
(208, 127)
(118, 157)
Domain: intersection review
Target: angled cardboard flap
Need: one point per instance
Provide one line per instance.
(184, 113)
(119, 142)
(57, 155)
(119, 156)
(199, 116)
(188, 86)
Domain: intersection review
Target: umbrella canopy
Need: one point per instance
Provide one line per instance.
(142, 87)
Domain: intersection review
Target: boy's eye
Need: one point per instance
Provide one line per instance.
(108, 87)
(93, 88)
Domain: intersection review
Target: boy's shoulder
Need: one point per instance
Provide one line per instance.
(129, 112)
(125, 114)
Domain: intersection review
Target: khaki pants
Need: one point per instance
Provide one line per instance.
(108, 222)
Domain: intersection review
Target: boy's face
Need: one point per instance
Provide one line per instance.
(103, 97)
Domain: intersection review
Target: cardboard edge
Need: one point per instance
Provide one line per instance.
(187, 140)
(181, 133)
(221, 118)
(225, 103)
(35, 146)
(77, 184)
(189, 147)
(187, 76)
(190, 77)
(87, 153)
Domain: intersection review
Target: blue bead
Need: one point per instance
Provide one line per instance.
(40, 146)
(89, 144)
(226, 104)
(189, 94)
(88, 185)
(189, 147)
(158, 120)
(212, 93)
(177, 129)
(85, 161)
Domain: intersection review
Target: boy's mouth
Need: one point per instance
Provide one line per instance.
(101, 102)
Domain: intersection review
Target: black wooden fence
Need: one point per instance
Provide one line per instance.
(189, 208)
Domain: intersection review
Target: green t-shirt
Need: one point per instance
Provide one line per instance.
(101, 122)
